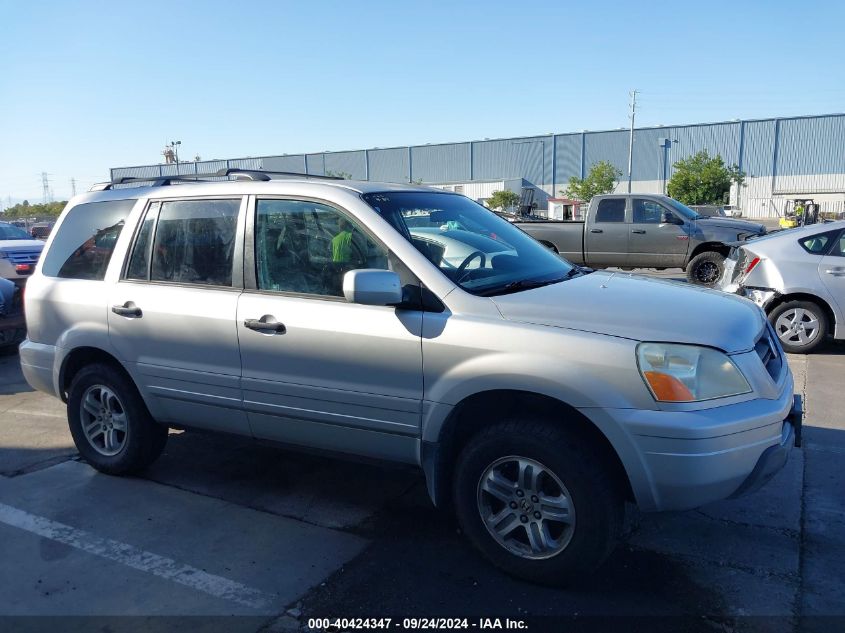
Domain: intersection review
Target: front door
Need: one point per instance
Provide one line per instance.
(654, 242)
(319, 371)
(606, 236)
(832, 273)
(172, 314)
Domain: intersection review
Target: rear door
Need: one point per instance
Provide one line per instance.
(654, 242)
(606, 236)
(172, 314)
(832, 273)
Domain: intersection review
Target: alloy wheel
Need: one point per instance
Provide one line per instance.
(797, 326)
(104, 420)
(525, 507)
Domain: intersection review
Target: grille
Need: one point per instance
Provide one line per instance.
(769, 352)
(23, 257)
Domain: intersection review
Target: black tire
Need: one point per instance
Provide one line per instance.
(706, 269)
(144, 439)
(807, 312)
(594, 494)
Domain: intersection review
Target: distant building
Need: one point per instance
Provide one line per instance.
(783, 158)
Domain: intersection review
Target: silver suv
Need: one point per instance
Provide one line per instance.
(412, 325)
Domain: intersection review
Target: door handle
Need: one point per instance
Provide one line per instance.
(836, 272)
(128, 309)
(265, 326)
(596, 231)
(638, 231)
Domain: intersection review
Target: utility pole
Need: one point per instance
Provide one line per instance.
(73, 186)
(631, 138)
(45, 186)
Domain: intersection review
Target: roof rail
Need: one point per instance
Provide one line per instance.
(248, 174)
(264, 174)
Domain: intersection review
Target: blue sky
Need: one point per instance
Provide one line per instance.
(90, 85)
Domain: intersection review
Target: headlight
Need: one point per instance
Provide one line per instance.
(688, 373)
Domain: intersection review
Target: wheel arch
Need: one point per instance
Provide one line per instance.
(716, 247)
(475, 411)
(80, 357)
(780, 299)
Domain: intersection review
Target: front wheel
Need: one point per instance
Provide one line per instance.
(706, 269)
(801, 326)
(109, 422)
(536, 503)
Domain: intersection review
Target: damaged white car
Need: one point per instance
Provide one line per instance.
(798, 277)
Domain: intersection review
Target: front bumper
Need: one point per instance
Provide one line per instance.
(12, 330)
(678, 460)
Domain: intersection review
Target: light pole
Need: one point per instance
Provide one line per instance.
(175, 145)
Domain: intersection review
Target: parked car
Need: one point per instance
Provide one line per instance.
(536, 398)
(798, 278)
(12, 325)
(645, 231)
(18, 253)
(709, 210)
(41, 230)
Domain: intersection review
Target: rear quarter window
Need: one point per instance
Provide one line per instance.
(85, 241)
(818, 244)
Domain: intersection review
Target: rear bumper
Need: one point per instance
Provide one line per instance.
(37, 363)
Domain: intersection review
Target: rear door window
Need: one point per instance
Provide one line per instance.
(86, 239)
(611, 210)
(194, 243)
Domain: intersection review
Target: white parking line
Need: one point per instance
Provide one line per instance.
(135, 558)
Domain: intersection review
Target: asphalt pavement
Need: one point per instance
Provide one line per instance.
(249, 537)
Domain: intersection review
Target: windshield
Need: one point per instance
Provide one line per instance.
(683, 209)
(11, 232)
(471, 245)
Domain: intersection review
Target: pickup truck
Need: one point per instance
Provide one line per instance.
(644, 231)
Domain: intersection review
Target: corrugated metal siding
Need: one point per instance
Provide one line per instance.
(316, 164)
(648, 155)
(810, 157)
(294, 163)
(758, 148)
(721, 139)
(389, 165)
(528, 158)
(609, 146)
(351, 163)
(568, 158)
(441, 163)
(811, 146)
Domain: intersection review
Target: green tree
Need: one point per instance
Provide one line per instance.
(27, 210)
(701, 179)
(339, 174)
(503, 200)
(602, 178)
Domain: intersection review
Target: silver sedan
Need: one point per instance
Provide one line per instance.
(798, 277)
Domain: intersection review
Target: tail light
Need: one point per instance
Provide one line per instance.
(751, 265)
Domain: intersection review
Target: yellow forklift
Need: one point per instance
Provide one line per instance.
(799, 212)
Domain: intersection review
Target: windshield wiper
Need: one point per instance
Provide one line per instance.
(525, 284)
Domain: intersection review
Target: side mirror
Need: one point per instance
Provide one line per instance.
(372, 287)
(671, 218)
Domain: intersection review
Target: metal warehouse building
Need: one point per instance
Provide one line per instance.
(782, 158)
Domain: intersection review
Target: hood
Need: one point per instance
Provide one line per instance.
(9, 246)
(741, 226)
(639, 308)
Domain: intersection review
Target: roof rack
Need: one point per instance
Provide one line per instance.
(246, 174)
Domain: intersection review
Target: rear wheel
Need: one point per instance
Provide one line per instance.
(801, 326)
(705, 269)
(109, 422)
(537, 503)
